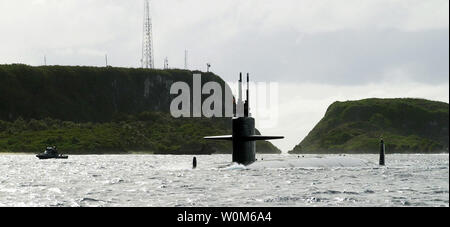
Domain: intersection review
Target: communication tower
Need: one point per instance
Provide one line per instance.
(147, 41)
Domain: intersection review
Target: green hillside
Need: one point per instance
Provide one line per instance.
(407, 126)
(94, 110)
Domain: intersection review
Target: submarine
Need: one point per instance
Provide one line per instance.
(244, 144)
(243, 130)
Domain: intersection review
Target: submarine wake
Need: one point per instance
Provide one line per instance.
(326, 162)
(311, 162)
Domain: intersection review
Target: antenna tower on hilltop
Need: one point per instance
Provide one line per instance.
(147, 41)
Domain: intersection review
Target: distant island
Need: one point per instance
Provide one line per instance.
(103, 110)
(406, 125)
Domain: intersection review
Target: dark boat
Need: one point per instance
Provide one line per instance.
(51, 153)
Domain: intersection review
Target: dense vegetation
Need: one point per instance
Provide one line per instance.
(406, 125)
(90, 110)
(149, 132)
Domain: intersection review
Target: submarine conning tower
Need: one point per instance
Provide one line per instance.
(243, 127)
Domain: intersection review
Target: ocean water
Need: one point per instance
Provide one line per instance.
(170, 181)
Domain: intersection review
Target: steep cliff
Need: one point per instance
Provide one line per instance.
(86, 94)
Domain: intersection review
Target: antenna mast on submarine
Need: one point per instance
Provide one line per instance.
(247, 102)
(147, 41)
(240, 103)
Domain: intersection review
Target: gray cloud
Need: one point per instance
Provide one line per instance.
(341, 57)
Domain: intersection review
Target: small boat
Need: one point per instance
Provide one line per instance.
(51, 153)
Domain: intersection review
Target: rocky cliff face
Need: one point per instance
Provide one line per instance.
(86, 93)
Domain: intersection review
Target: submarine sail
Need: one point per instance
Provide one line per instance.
(243, 128)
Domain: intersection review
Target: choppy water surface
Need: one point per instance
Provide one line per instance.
(150, 180)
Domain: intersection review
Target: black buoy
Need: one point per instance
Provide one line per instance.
(382, 152)
(194, 163)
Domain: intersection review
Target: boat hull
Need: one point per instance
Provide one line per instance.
(52, 157)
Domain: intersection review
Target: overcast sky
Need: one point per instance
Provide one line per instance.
(319, 51)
